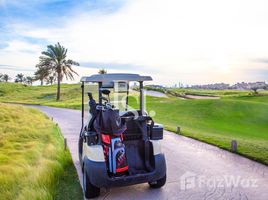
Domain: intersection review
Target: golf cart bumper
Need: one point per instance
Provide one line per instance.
(97, 172)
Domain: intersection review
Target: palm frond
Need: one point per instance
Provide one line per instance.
(53, 62)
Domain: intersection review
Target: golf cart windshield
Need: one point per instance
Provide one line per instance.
(112, 89)
(118, 95)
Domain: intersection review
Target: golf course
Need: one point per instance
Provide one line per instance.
(237, 115)
(133, 100)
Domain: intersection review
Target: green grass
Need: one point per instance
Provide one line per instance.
(206, 92)
(33, 163)
(68, 186)
(257, 99)
(45, 95)
(218, 122)
(237, 115)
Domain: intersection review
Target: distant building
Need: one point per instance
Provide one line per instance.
(215, 86)
(237, 86)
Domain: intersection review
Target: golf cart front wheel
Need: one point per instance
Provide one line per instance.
(90, 190)
(159, 183)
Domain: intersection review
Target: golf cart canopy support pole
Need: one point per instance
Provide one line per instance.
(141, 98)
(100, 94)
(83, 90)
(127, 97)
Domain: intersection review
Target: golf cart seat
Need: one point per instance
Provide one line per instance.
(133, 131)
(131, 113)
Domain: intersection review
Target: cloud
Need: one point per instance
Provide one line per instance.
(21, 46)
(261, 60)
(187, 41)
(16, 68)
(17, 56)
(115, 66)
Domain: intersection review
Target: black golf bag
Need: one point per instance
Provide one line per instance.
(109, 125)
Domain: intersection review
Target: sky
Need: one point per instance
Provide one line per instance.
(192, 42)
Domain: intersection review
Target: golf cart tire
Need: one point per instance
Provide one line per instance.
(159, 183)
(90, 190)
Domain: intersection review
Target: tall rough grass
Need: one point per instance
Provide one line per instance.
(32, 158)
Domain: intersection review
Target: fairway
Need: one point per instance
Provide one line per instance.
(45, 95)
(33, 163)
(236, 116)
(218, 122)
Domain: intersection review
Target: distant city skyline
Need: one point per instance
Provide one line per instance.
(193, 42)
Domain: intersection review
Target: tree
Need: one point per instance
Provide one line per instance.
(257, 86)
(20, 78)
(29, 80)
(102, 71)
(1, 77)
(42, 72)
(255, 89)
(50, 80)
(54, 58)
(6, 77)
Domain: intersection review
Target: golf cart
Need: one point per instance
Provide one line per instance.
(118, 147)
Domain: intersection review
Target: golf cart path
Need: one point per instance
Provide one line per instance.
(155, 93)
(195, 170)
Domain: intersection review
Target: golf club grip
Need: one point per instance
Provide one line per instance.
(90, 95)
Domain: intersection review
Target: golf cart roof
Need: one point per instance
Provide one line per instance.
(115, 77)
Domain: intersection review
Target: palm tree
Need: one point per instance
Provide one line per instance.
(6, 77)
(102, 71)
(55, 60)
(42, 72)
(19, 78)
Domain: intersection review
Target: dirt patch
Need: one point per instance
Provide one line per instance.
(200, 97)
